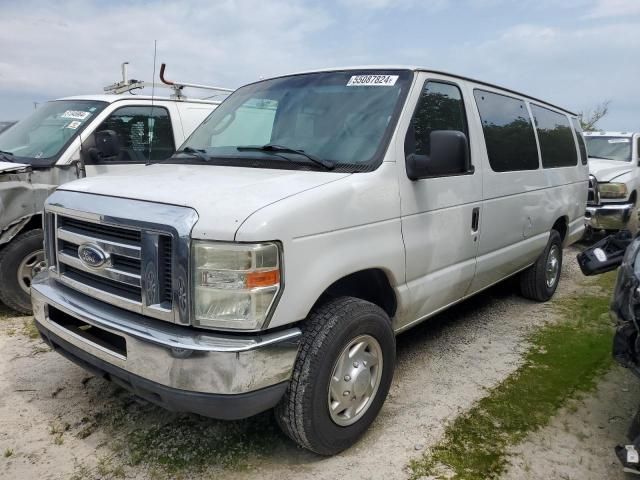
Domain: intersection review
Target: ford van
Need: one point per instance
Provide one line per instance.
(311, 218)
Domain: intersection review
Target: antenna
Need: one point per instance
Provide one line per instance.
(151, 122)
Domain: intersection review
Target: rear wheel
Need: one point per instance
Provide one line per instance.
(341, 376)
(539, 281)
(20, 261)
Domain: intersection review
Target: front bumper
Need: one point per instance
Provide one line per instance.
(180, 368)
(608, 216)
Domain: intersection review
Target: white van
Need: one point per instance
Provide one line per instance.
(309, 219)
(614, 165)
(67, 139)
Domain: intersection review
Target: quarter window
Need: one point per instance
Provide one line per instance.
(440, 108)
(508, 132)
(144, 133)
(557, 147)
(582, 146)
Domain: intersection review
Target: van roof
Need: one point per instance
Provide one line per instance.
(110, 98)
(609, 134)
(429, 70)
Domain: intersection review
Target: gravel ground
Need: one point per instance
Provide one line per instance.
(578, 443)
(444, 366)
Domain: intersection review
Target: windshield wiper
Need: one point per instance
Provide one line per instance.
(603, 158)
(7, 156)
(195, 152)
(270, 147)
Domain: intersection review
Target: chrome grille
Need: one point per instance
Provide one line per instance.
(146, 245)
(121, 281)
(593, 197)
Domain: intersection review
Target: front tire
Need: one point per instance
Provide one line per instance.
(20, 261)
(540, 281)
(341, 377)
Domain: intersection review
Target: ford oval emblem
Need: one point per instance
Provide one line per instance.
(92, 255)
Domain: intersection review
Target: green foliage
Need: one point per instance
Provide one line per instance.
(565, 358)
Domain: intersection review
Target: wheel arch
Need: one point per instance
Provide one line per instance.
(371, 284)
(24, 224)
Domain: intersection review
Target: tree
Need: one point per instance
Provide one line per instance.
(590, 118)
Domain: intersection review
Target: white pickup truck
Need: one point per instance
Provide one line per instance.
(614, 180)
(309, 219)
(70, 138)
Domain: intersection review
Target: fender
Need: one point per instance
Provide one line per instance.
(22, 195)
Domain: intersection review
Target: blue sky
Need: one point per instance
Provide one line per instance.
(575, 53)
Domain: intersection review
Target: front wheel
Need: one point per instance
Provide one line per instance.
(539, 281)
(20, 261)
(341, 377)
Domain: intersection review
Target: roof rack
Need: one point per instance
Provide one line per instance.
(129, 85)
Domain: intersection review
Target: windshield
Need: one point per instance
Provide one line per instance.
(342, 119)
(610, 148)
(40, 138)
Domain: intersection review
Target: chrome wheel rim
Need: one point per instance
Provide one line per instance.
(553, 266)
(355, 380)
(28, 268)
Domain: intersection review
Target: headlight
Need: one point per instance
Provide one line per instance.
(234, 285)
(612, 190)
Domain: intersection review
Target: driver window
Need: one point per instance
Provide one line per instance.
(144, 134)
(440, 107)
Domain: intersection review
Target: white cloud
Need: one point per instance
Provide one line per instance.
(76, 47)
(614, 8)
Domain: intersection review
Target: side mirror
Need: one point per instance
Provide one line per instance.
(107, 143)
(449, 156)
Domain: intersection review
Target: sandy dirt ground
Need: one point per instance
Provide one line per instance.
(48, 406)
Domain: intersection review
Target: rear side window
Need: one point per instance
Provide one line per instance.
(582, 146)
(440, 108)
(508, 132)
(557, 147)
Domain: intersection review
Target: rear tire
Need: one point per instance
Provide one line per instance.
(337, 387)
(20, 260)
(540, 281)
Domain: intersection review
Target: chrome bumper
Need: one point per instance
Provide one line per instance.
(608, 217)
(165, 354)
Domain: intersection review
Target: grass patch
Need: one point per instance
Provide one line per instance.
(566, 358)
(175, 445)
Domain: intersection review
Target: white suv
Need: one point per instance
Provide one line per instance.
(308, 220)
(614, 165)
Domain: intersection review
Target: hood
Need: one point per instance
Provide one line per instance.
(223, 196)
(13, 167)
(608, 170)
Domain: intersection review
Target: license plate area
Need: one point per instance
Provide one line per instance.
(104, 339)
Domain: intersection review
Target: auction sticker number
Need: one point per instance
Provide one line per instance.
(75, 114)
(372, 81)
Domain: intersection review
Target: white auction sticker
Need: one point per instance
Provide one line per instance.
(73, 125)
(619, 140)
(372, 81)
(75, 114)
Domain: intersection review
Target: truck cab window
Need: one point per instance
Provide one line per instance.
(144, 134)
(440, 107)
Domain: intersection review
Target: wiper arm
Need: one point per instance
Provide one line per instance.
(270, 147)
(195, 152)
(7, 156)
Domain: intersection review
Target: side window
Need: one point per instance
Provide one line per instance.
(556, 139)
(144, 133)
(508, 132)
(440, 107)
(582, 146)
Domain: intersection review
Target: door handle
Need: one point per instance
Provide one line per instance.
(475, 219)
